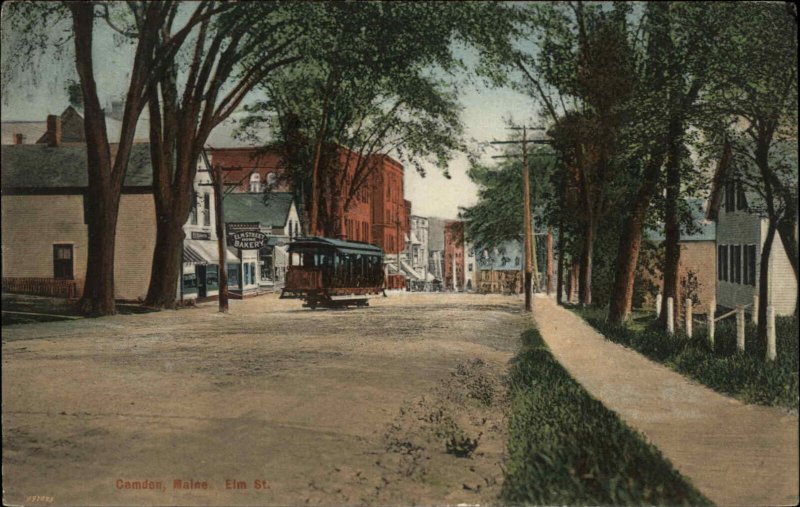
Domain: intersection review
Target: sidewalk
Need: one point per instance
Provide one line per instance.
(735, 454)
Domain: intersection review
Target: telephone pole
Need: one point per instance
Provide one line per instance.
(528, 214)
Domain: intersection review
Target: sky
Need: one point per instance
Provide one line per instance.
(32, 95)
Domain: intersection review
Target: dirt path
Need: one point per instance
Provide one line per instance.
(399, 403)
(736, 454)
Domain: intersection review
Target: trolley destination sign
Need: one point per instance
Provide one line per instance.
(248, 240)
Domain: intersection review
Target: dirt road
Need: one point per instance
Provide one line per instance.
(398, 403)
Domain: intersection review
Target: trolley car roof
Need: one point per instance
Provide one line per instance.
(353, 247)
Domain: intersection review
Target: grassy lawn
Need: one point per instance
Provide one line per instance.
(748, 377)
(565, 447)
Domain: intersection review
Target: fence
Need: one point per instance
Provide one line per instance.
(70, 289)
(712, 320)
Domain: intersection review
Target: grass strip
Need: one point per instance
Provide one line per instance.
(566, 448)
(746, 376)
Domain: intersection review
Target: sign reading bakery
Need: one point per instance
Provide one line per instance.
(248, 240)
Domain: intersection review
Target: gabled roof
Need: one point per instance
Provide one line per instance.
(705, 229)
(270, 210)
(725, 172)
(38, 166)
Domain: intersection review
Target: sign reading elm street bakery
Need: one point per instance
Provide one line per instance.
(248, 240)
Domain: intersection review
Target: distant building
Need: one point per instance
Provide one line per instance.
(470, 268)
(499, 269)
(436, 249)
(454, 255)
(416, 255)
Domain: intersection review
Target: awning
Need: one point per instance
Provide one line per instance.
(408, 270)
(201, 251)
(192, 256)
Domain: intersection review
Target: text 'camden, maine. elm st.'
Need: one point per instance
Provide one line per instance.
(189, 484)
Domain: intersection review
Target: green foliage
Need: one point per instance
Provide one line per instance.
(371, 86)
(498, 216)
(747, 376)
(566, 448)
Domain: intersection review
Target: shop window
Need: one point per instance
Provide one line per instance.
(189, 283)
(62, 262)
(234, 281)
(212, 277)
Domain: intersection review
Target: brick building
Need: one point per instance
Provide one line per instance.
(250, 169)
(454, 255)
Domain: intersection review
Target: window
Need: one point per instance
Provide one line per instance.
(255, 182)
(736, 264)
(189, 283)
(730, 196)
(735, 197)
(193, 215)
(750, 264)
(206, 209)
(212, 277)
(233, 276)
(722, 262)
(741, 199)
(62, 262)
(272, 179)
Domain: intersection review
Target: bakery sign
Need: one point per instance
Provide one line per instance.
(248, 240)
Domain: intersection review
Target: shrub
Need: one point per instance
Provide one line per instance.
(565, 447)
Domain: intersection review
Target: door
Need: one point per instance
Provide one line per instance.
(62, 262)
(202, 287)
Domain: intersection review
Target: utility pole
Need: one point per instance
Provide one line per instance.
(528, 229)
(528, 214)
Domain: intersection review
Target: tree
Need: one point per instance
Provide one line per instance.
(236, 47)
(672, 72)
(497, 217)
(374, 91)
(755, 97)
(106, 166)
(584, 59)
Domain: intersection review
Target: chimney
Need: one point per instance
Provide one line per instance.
(19, 139)
(53, 130)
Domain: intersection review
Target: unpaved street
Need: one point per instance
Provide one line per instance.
(271, 404)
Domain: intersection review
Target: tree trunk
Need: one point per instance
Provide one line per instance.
(166, 271)
(672, 233)
(763, 282)
(587, 253)
(630, 243)
(98, 289)
(103, 193)
(560, 266)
